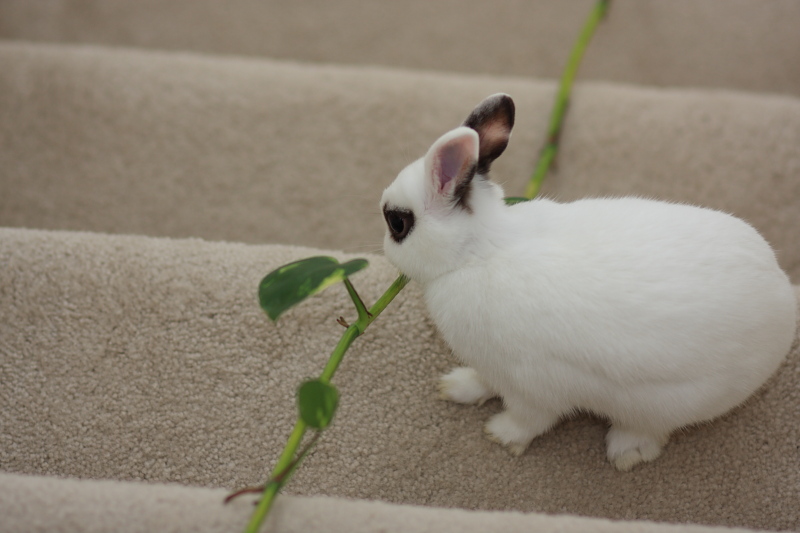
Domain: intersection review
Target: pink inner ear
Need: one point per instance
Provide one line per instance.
(450, 162)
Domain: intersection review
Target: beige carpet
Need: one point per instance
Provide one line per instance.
(272, 152)
(688, 43)
(98, 506)
(137, 358)
(132, 350)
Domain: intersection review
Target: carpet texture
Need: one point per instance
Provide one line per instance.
(148, 359)
(158, 159)
(263, 151)
(736, 44)
(62, 505)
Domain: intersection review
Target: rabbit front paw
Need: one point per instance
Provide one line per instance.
(504, 428)
(464, 385)
(626, 449)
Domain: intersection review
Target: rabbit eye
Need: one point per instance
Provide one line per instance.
(400, 223)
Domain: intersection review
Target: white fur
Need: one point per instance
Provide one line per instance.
(655, 315)
(464, 385)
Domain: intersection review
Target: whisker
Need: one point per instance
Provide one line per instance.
(368, 246)
(371, 247)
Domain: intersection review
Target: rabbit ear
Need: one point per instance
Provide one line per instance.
(493, 119)
(450, 165)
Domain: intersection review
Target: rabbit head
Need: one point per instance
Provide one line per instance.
(437, 206)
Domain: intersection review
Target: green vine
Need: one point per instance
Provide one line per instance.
(292, 283)
(550, 149)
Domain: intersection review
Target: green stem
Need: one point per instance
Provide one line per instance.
(387, 297)
(286, 459)
(363, 314)
(264, 506)
(284, 476)
(286, 464)
(272, 488)
(550, 148)
(356, 329)
(337, 354)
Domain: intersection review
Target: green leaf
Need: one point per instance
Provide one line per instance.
(317, 402)
(511, 200)
(291, 284)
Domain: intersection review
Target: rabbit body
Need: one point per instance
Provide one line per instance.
(655, 315)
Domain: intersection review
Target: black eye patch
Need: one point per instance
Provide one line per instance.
(399, 221)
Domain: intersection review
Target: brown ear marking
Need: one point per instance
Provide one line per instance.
(462, 191)
(493, 119)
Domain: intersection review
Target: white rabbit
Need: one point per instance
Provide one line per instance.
(655, 315)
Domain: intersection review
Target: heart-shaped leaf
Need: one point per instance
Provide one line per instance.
(290, 284)
(317, 401)
(511, 200)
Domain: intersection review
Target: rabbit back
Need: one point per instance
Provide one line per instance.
(651, 313)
